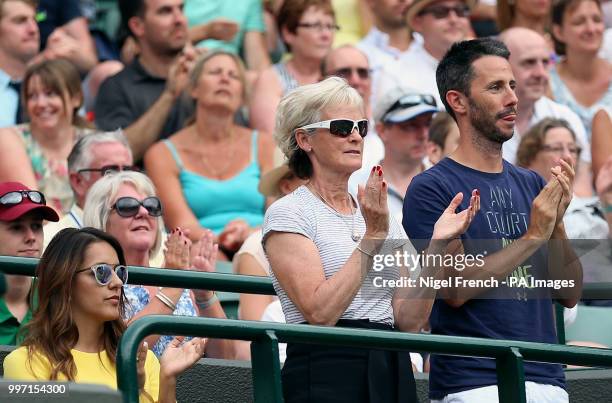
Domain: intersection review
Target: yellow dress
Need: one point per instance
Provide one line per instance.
(91, 368)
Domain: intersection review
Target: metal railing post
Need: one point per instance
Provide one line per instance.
(127, 377)
(265, 365)
(511, 377)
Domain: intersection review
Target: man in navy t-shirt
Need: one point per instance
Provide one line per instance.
(518, 214)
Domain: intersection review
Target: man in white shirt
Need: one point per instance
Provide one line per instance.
(92, 157)
(441, 23)
(403, 116)
(389, 38)
(530, 59)
(351, 63)
(19, 43)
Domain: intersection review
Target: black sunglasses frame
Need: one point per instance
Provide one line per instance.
(130, 211)
(108, 169)
(38, 197)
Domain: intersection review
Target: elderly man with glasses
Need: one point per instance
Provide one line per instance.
(91, 158)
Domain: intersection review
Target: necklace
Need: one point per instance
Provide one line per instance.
(354, 233)
(229, 158)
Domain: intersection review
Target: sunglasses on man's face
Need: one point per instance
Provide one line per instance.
(347, 72)
(103, 273)
(16, 197)
(109, 169)
(439, 12)
(340, 127)
(129, 206)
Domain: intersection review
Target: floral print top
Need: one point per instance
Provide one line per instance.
(51, 175)
(138, 297)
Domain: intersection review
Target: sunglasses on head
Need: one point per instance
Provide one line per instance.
(346, 72)
(16, 197)
(103, 273)
(129, 206)
(439, 12)
(340, 127)
(109, 169)
(408, 101)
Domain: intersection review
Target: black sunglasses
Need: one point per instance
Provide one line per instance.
(104, 273)
(439, 12)
(129, 206)
(108, 169)
(16, 197)
(346, 72)
(340, 127)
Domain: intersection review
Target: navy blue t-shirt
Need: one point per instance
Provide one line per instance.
(506, 200)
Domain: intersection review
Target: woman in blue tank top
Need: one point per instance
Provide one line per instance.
(207, 174)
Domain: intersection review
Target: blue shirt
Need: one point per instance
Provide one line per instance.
(500, 313)
(9, 98)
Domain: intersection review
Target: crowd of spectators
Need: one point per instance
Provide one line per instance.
(183, 134)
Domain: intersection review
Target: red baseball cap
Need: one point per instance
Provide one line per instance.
(14, 211)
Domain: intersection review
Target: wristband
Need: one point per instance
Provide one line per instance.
(608, 209)
(208, 303)
(165, 299)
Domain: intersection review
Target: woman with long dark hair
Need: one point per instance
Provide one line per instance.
(74, 333)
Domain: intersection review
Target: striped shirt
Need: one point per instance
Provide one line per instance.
(302, 212)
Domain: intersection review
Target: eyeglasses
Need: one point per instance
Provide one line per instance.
(408, 101)
(108, 169)
(439, 12)
(340, 127)
(16, 197)
(558, 149)
(129, 206)
(318, 26)
(346, 72)
(103, 273)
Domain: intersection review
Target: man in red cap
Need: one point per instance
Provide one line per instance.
(22, 212)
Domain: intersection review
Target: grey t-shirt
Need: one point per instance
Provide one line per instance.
(302, 212)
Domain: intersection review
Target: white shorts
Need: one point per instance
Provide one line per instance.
(535, 392)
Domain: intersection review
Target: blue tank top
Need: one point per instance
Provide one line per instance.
(217, 202)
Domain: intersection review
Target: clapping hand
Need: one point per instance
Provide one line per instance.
(176, 254)
(204, 253)
(180, 355)
(141, 357)
(564, 173)
(372, 200)
(451, 224)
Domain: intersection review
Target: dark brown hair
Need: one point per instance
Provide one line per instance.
(532, 141)
(61, 77)
(559, 9)
(440, 126)
(291, 12)
(52, 332)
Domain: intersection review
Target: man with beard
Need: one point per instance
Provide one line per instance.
(530, 60)
(519, 214)
(145, 99)
(388, 39)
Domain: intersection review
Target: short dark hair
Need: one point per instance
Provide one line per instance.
(455, 70)
(129, 9)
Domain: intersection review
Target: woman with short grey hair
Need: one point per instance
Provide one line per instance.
(322, 243)
(125, 205)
